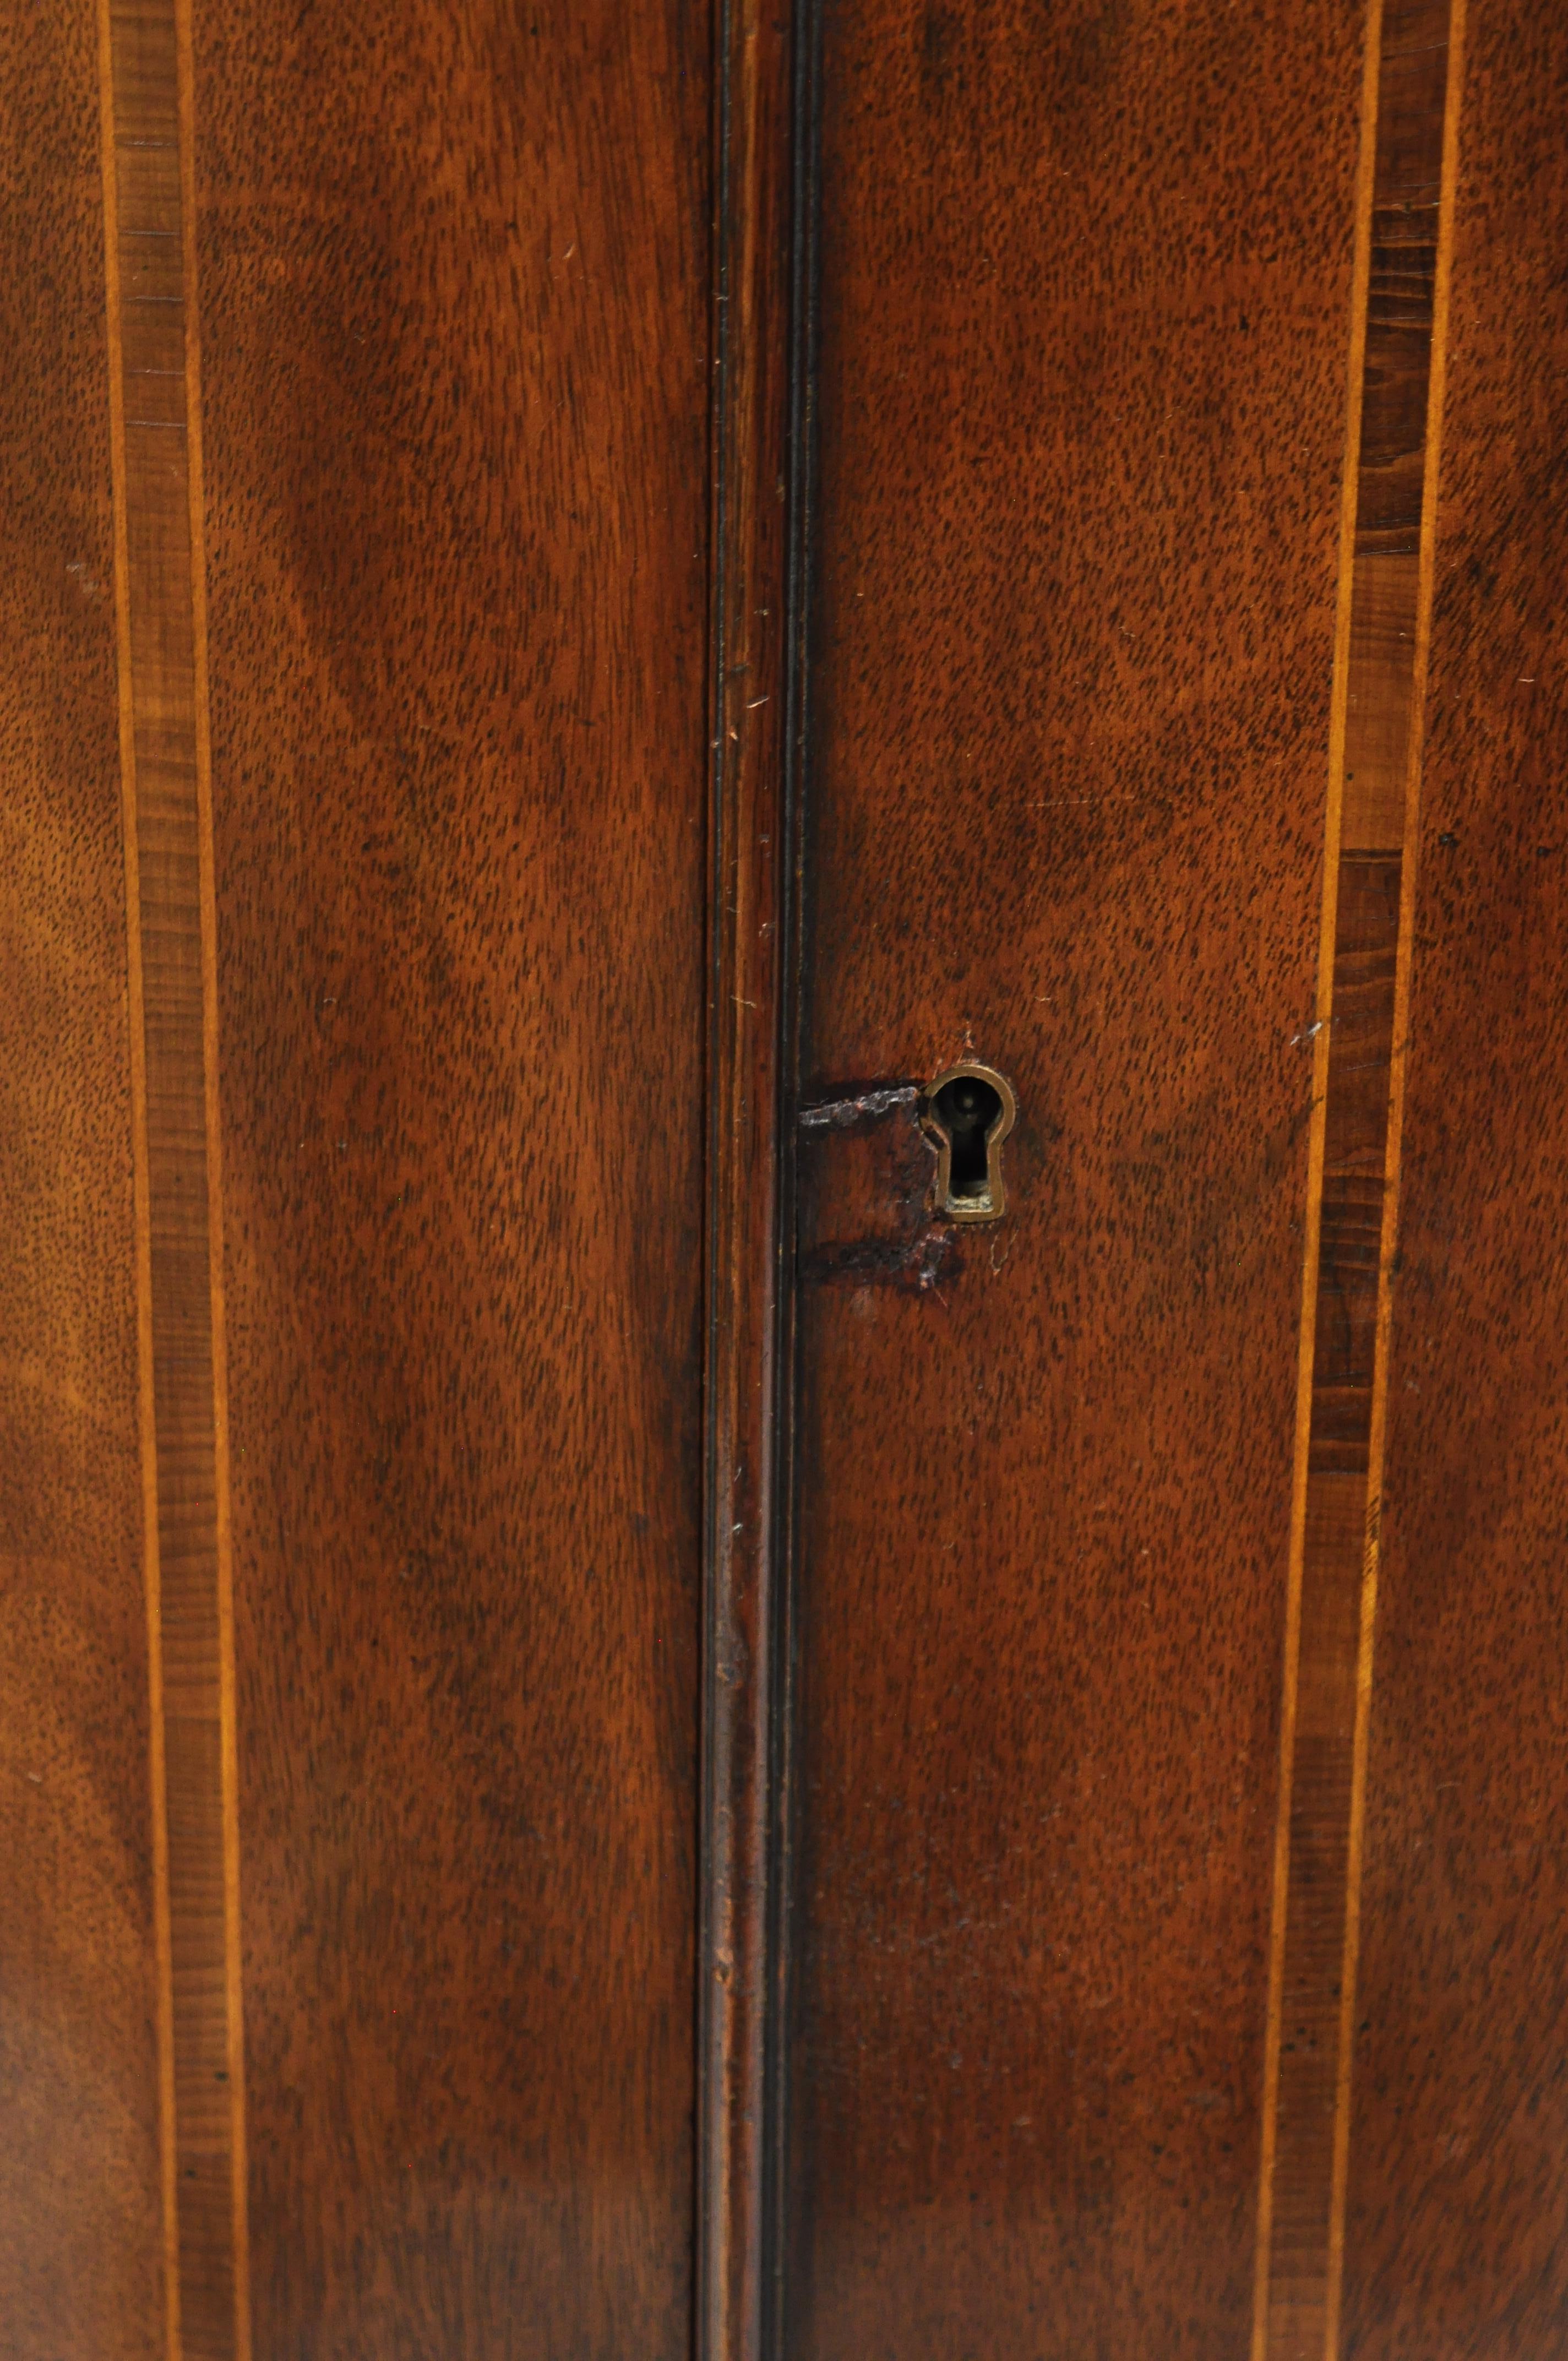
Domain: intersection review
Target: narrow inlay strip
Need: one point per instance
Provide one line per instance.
(1374, 766)
(156, 417)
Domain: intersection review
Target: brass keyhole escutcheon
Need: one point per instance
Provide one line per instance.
(967, 1113)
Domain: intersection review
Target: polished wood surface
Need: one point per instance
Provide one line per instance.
(1456, 2236)
(453, 291)
(1080, 392)
(1397, 321)
(620, 1740)
(81, 2199)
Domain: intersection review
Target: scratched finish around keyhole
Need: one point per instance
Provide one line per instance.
(967, 1114)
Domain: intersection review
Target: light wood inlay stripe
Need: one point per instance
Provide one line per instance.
(1408, 134)
(156, 415)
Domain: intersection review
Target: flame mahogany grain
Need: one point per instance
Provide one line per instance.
(742, 557)
(81, 2201)
(454, 283)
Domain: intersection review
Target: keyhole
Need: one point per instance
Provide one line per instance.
(968, 1107)
(968, 1113)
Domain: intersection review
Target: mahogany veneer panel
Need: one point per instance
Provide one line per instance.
(398, 1001)
(1084, 286)
(453, 317)
(81, 2233)
(1457, 2231)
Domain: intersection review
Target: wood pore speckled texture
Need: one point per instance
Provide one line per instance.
(454, 322)
(734, 1810)
(1084, 290)
(80, 2239)
(1456, 2237)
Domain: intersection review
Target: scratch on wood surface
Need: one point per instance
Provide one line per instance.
(839, 1113)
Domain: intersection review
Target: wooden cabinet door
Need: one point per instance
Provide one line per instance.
(1159, 1895)
(783, 1421)
(357, 1146)
(1080, 294)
